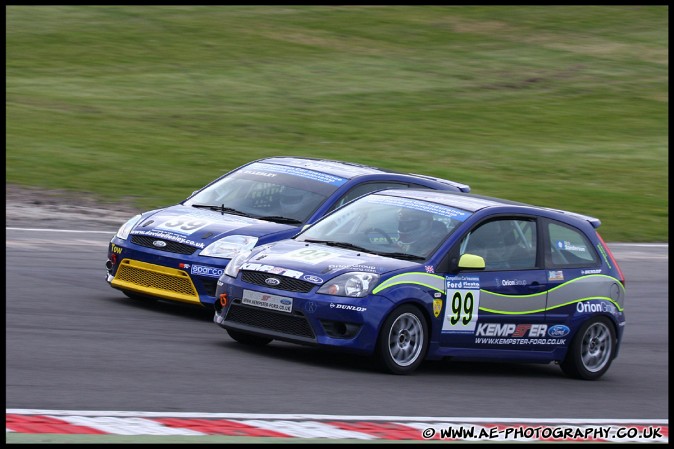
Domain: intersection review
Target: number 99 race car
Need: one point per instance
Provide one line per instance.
(413, 275)
(179, 252)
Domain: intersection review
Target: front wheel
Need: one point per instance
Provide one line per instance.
(403, 340)
(591, 351)
(249, 339)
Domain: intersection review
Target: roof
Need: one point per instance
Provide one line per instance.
(338, 168)
(350, 170)
(472, 202)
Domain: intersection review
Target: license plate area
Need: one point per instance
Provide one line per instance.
(267, 301)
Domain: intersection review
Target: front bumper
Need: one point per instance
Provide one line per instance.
(315, 319)
(161, 274)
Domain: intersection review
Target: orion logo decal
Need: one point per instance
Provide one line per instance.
(593, 307)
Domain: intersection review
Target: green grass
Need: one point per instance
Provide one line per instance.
(559, 106)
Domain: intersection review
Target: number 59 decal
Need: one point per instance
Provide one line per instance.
(184, 224)
(463, 303)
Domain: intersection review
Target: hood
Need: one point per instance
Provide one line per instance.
(317, 263)
(201, 227)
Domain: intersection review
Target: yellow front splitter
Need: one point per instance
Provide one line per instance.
(155, 280)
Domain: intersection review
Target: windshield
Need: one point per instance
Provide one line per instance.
(388, 225)
(268, 191)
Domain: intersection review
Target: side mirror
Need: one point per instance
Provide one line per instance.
(471, 261)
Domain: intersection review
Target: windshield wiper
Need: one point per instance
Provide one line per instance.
(403, 256)
(280, 219)
(340, 245)
(347, 245)
(222, 209)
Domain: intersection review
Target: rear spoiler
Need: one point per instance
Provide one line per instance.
(595, 222)
(465, 188)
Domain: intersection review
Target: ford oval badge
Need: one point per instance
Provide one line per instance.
(159, 243)
(272, 281)
(559, 330)
(312, 278)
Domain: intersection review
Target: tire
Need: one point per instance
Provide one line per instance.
(592, 350)
(249, 339)
(403, 340)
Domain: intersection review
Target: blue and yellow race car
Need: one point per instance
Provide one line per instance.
(179, 252)
(409, 275)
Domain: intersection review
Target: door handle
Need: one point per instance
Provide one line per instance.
(536, 286)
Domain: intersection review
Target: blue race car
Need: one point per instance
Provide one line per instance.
(409, 275)
(179, 252)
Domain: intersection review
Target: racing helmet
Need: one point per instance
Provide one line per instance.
(291, 201)
(413, 224)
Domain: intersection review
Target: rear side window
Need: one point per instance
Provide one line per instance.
(569, 247)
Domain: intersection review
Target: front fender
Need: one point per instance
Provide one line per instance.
(428, 299)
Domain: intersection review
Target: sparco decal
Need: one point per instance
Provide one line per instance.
(207, 271)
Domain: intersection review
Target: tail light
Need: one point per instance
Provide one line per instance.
(615, 263)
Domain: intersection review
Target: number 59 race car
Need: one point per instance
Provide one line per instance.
(409, 275)
(179, 252)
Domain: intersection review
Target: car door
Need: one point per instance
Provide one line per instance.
(503, 305)
(575, 274)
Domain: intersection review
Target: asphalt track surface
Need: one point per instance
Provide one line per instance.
(74, 343)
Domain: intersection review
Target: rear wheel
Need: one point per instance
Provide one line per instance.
(403, 340)
(591, 351)
(249, 339)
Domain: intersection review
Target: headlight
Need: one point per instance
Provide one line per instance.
(350, 284)
(234, 265)
(123, 232)
(230, 246)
